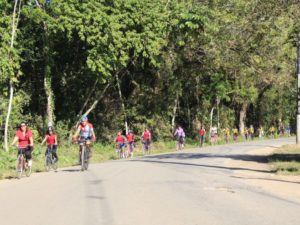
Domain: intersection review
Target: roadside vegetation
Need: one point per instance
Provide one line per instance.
(286, 160)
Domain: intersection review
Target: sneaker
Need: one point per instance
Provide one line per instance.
(29, 163)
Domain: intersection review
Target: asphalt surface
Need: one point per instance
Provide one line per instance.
(192, 187)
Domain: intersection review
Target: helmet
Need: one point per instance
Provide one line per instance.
(84, 118)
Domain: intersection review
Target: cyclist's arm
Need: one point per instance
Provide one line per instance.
(31, 141)
(14, 141)
(55, 140)
(75, 136)
(93, 135)
(45, 139)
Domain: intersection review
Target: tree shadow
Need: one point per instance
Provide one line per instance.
(71, 170)
(205, 166)
(267, 179)
(280, 157)
(188, 156)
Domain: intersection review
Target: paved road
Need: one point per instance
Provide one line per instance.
(189, 188)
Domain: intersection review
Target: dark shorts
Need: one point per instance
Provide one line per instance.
(120, 145)
(51, 148)
(26, 151)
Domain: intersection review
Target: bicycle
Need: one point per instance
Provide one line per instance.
(146, 147)
(120, 150)
(180, 143)
(22, 165)
(130, 149)
(50, 160)
(85, 155)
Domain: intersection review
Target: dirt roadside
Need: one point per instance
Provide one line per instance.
(258, 174)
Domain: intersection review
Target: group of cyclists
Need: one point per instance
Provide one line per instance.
(125, 144)
(23, 140)
(248, 133)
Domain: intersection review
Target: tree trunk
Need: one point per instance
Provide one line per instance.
(47, 78)
(211, 118)
(243, 112)
(89, 110)
(174, 113)
(122, 103)
(11, 85)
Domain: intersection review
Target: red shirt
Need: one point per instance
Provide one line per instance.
(24, 138)
(146, 135)
(201, 132)
(130, 137)
(120, 139)
(51, 139)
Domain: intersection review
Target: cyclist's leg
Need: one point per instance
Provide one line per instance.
(28, 156)
(20, 159)
(54, 149)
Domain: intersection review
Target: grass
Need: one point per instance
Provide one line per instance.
(286, 160)
(68, 155)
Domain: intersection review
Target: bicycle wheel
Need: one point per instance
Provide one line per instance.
(83, 150)
(86, 159)
(28, 171)
(54, 164)
(19, 167)
(48, 162)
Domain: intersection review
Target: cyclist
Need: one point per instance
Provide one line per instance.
(261, 132)
(180, 135)
(272, 131)
(246, 133)
(235, 133)
(251, 131)
(130, 141)
(85, 132)
(146, 139)
(226, 134)
(51, 139)
(202, 136)
(25, 142)
(120, 144)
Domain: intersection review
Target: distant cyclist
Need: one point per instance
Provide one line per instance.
(180, 135)
(51, 139)
(202, 136)
(146, 139)
(85, 131)
(25, 142)
(120, 141)
(251, 131)
(226, 135)
(235, 133)
(130, 143)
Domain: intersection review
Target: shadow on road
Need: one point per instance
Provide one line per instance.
(203, 165)
(183, 156)
(268, 179)
(71, 170)
(251, 158)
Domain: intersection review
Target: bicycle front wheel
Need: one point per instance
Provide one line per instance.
(48, 162)
(28, 171)
(83, 152)
(19, 167)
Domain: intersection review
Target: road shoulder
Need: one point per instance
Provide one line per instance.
(261, 175)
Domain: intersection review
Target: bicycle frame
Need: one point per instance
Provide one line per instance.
(84, 157)
(21, 165)
(49, 161)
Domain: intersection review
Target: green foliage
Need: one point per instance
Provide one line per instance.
(236, 52)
